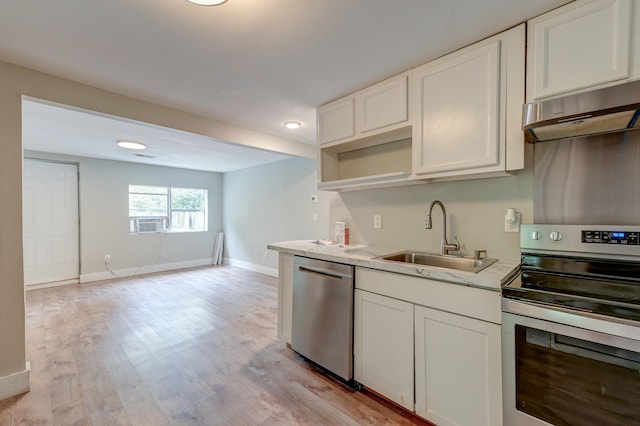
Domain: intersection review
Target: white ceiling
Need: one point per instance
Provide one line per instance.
(251, 63)
(53, 128)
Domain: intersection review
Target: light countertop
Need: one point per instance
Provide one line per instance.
(364, 256)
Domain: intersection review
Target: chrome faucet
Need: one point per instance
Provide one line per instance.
(445, 246)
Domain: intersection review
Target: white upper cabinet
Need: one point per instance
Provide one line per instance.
(457, 117)
(468, 109)
(365, 138)
(376, 109)
(582, 45)
(336, 121)
(383, 105)
(459, 104)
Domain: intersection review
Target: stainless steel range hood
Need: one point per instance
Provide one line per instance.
(608, 110)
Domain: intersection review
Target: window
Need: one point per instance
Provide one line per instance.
(155, 209)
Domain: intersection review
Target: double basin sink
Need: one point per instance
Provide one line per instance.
(459, 263)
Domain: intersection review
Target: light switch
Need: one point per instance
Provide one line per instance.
(377, 221)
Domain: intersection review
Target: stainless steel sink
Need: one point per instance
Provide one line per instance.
(460, 263)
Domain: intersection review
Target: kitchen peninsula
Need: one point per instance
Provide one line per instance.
(364, 256)
(423, 337)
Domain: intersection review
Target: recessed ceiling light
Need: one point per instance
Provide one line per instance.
(131, 145)
(292, 124)
(207, 2)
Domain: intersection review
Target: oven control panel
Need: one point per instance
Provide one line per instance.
(610, 237)
(590, 240)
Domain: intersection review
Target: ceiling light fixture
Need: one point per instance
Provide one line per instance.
(131, 144)
(207, 2)
(292, 124)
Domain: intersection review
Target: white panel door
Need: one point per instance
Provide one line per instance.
(50, 222)
(458, 369)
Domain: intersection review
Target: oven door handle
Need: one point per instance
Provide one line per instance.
(556, 319)
(596, 351)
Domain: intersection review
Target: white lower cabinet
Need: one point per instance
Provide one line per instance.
(457, 369)
(285, 296)
(442, 358)
(383, 346)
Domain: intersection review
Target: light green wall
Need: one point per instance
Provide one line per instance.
(270, 203)
(104, 214)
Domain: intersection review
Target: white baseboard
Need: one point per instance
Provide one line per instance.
(16, 383)
(51, 284)
(273, 272)
(146, 269)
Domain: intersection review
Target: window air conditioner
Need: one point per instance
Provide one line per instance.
(148, 226)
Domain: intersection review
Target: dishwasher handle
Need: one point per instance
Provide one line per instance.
(323, 271)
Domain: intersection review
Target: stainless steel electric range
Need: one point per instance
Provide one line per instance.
(571, 327)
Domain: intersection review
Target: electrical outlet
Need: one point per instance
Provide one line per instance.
(377, 221)
(512, 226)
(107, 258)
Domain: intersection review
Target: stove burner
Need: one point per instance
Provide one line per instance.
(588, 269)
(601, 291)
(570, 285)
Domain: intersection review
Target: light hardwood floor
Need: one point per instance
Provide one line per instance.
(193, 347)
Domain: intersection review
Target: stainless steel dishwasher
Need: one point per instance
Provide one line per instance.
(322, 328)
